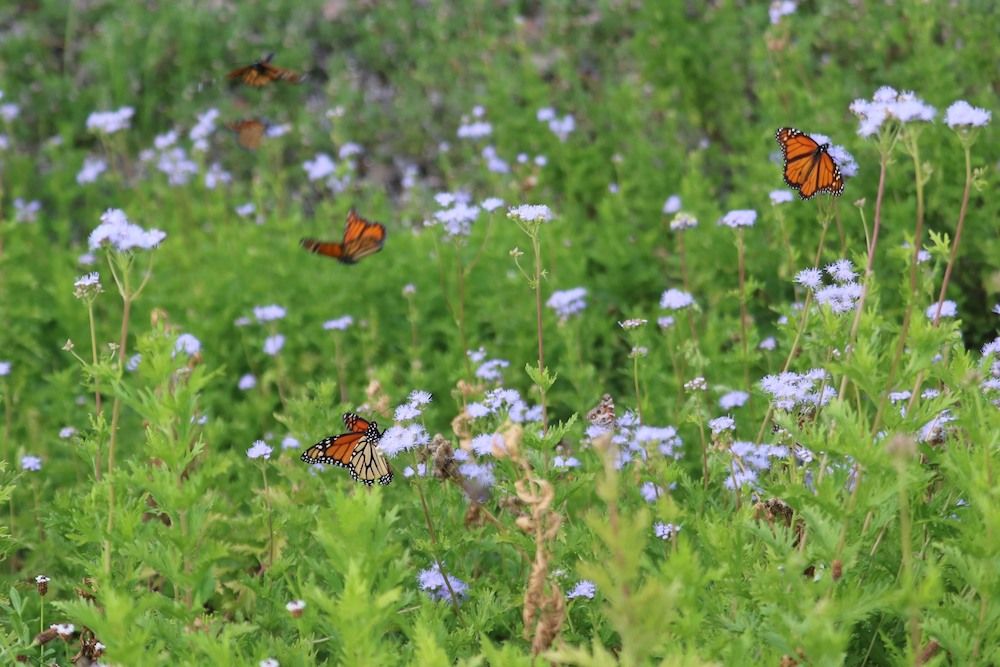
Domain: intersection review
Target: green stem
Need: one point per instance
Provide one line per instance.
(877, 224)
(434, 542)
(744, 317)
(270, 520)
(536, 246)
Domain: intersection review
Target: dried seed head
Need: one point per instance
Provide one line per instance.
(42, 583)
(837, 569)
(901, 447)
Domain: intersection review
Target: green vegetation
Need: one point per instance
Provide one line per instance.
(847, 514)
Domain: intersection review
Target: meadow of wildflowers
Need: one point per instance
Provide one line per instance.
(642, 404)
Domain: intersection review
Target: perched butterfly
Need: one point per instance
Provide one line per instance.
(808, 165)
(262, 72)
(603, 414)
(356, 450)
(249, 132)
(361, 238)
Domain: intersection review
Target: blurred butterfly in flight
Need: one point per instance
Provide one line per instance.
(249, 132)
(361, 238)
(262, 72)
(356, 450)
(808, 165)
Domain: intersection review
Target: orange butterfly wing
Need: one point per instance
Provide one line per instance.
(262, 72)
(808, 165)
(354, 423)
(333, 450)
(361, 238)
(249, 133)
(328, 248)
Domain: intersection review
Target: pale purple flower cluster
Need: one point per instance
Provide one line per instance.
(259, 450)
(963, 114)
(494, 162)
(791, 390)
(432, 582)
(268, 313)
(948, 309)
(339, 324)
(203, 129)
(561, 127)
(936, 429)
(91, 169)
(273, 344)
(567, 303)
(650, 492)
(530, 213)
(666, 531)
(187, 344)
(109, 122)
(583, 589)
(247, 382)
(507, 402)
(5, 368)
(565, 462)
(720, 424)
(26, 211)
(216, 176)
(779, 9)
(672, 204)
(320, 167)
(456, 216)
(675, 299)
(402, 438)
(733, 399)
(888, 104)
(739, 218)
(842, 296)
(116, 230)
(683, 221)
(780, 197)
(246, 210)
(31, 463)
(748, 460)
(474, 129)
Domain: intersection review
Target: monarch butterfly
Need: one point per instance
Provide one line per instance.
(262, 72)
(249, 132)
(808, 165)
(356, 450)
(361, 238)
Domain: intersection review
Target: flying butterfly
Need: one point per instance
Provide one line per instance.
(361, 238)
(356, 450)
(262, 72)
(808, 165)
(249, 132)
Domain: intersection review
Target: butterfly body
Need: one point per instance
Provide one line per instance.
(808, 166)
(356, 450)
(361, 238)
(262, 72)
